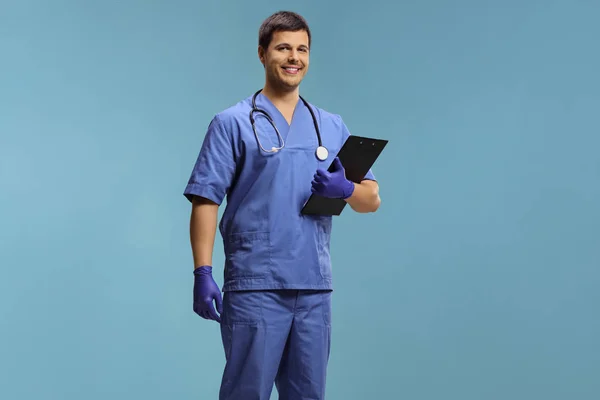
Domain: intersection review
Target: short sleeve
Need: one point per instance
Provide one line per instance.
(214, 169)
(345, 134)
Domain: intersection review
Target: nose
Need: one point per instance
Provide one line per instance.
(293, 55)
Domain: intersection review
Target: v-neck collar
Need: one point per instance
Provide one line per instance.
(274, 112)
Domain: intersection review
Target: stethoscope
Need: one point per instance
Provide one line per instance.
(321, 151)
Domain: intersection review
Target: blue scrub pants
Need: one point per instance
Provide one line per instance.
(279, 337)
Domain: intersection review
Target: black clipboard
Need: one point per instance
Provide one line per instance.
(357, 155)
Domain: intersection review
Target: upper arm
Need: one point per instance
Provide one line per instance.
(214, 170)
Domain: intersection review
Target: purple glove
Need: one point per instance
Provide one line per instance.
(332, 184)
(205, 291)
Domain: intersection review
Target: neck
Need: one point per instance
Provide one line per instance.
(281, 97)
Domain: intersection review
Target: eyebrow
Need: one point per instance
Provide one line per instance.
(287, 44)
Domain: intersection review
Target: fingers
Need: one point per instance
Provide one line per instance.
(219, 301)
(317, 187)
(212, 313)
(337, 164)
(200, 310)
(322, 175)
(319, 178)
(206, 309)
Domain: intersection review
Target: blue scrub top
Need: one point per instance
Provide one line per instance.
(268, 243)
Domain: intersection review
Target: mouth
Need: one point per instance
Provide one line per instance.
(291, 70)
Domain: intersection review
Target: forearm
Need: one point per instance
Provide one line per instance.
(203, 227)
(365, 197)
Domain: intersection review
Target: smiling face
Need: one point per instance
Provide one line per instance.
(286, 59)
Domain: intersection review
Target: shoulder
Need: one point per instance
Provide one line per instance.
(229, 118)
(333, 129)
(226, 124)
(326, 116)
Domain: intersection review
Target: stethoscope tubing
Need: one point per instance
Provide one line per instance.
(263, 112)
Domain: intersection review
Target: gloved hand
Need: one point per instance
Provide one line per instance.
(205, 291)
(332, 184)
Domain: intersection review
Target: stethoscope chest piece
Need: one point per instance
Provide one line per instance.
(322, 153)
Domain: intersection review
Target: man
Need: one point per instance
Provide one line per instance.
(275, 314)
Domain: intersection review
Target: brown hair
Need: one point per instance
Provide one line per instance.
(281, 21)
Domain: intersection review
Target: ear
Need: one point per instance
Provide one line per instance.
(261, 55)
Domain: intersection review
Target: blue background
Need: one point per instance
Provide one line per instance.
(477, 279)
